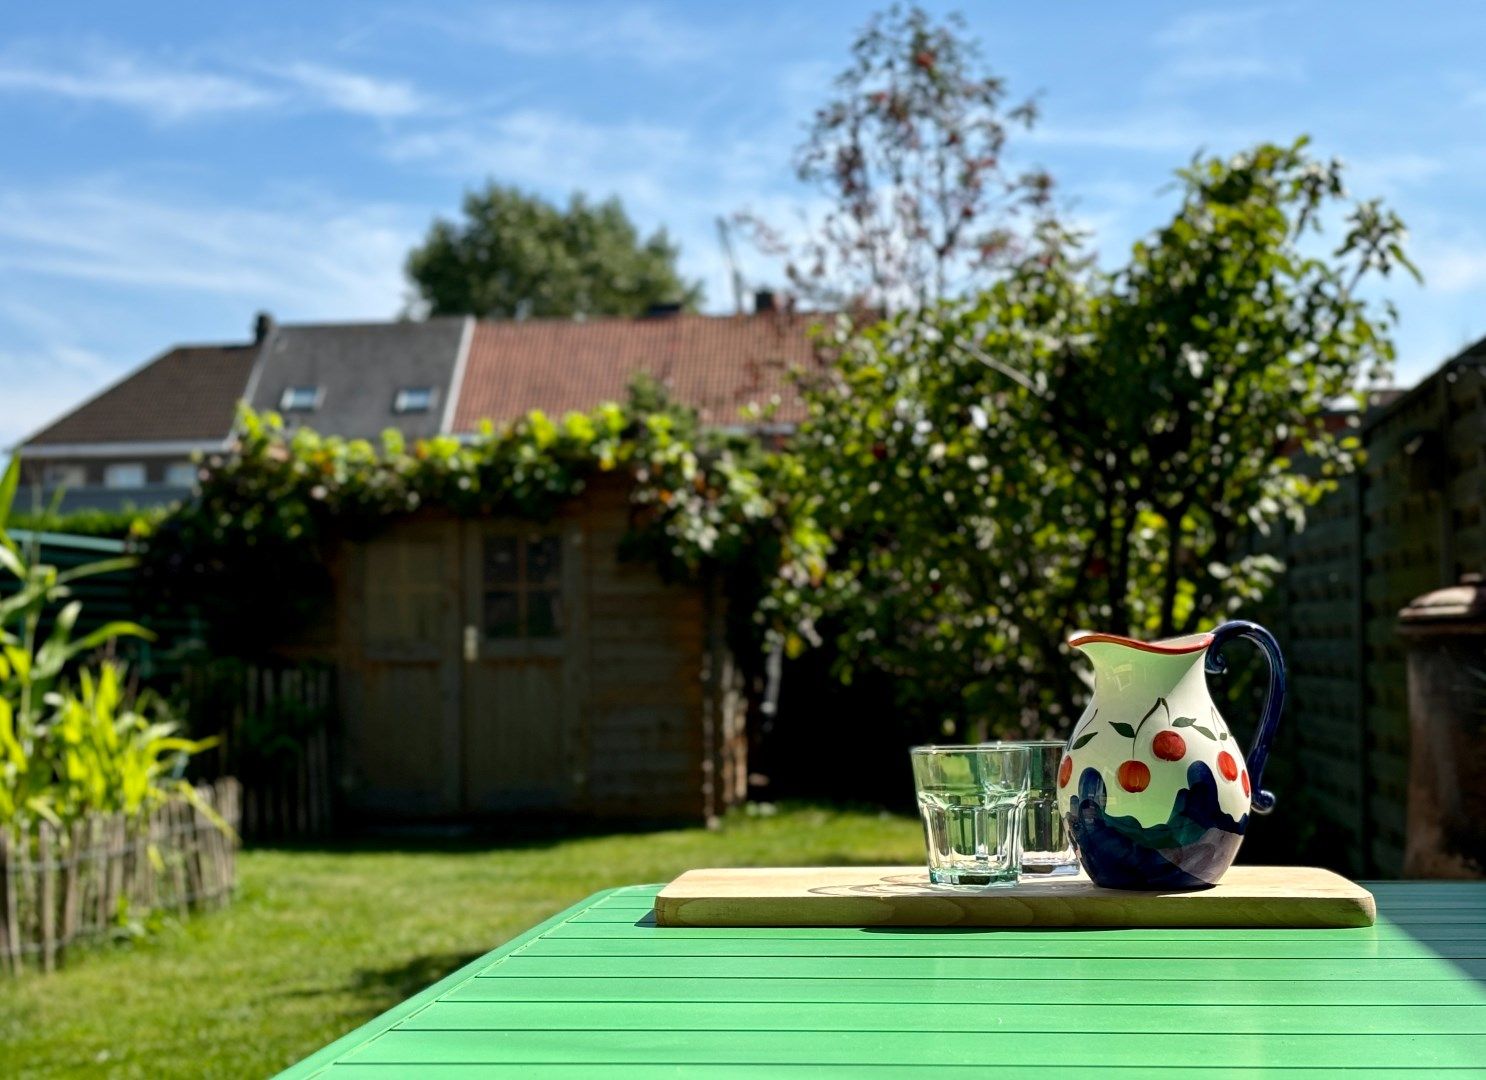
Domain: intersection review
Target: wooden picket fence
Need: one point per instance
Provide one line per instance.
(275, 722)
(83, 881)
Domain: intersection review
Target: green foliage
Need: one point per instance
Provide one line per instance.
(249, 553)
(517, 255)
(104, 524)
(1080, 449)
(72, 739)
(112, 750)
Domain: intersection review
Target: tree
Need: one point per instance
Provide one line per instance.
(1076, 448)
(910, 154)
(515, 255)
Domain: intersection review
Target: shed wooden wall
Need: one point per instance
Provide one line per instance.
(653, 717)
(664, 720)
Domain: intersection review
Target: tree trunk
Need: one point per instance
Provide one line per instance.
(1173, 552)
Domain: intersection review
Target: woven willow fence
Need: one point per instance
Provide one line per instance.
(63, 885)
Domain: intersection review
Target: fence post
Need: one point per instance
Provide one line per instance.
(178, 860)
(7, 906)
(234, 796)
(70, 882)
(48, 896)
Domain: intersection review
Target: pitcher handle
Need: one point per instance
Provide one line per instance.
(1274, 698)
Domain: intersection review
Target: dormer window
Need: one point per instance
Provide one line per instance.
(301, 398)
(413, 399)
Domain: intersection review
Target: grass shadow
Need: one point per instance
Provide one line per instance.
(382, 988)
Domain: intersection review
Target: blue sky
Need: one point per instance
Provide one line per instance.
(167, 169)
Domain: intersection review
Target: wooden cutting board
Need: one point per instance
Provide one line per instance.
(1277, 896)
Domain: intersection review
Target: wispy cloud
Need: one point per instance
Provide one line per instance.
(638, 34)
(1475, 95)
(1206, 29)
(166, 94)
(46, 370)
(1204, 47)
(1453, 267)
(353, 92)
(44, 382)
(305, 255)
(170, 91)
(684, 179)
(1217, 68)
(1165, 132)
(538, 148)
(1390, 173)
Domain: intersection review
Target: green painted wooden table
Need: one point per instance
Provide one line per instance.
(598, 991)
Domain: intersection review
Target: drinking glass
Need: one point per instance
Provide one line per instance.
(971, 800)
(1047, 846)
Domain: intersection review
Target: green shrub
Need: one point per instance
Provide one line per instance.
(103, 524)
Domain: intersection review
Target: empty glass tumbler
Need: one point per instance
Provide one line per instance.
(1047, 845)
(971, 799)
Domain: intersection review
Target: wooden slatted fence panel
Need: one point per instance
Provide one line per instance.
(1412, 520)
(1422, 508)
(276, 724)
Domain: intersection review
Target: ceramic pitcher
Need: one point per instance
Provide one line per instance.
(1157, 791)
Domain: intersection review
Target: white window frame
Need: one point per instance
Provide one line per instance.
(291, 394)
(125, 475)
(403, 401)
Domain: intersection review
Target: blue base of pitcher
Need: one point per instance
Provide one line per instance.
(1191, 850)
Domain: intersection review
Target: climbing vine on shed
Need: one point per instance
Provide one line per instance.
(250, 552)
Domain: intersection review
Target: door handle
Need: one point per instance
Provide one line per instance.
(471, 644)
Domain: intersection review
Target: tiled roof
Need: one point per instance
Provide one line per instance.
(716, 364)
(190, 392)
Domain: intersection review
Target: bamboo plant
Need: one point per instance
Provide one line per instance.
(74, 739)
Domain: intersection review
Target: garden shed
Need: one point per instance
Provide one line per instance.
(495, 667)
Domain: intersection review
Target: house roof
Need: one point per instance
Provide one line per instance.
(717, 364)
(187, 394)
(358, 370)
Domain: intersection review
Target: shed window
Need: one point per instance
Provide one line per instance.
(523, 587)
(413, 399)
(301, 398)
(124, 474)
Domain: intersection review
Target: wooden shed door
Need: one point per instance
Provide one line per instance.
(521, 626)
(404, 744)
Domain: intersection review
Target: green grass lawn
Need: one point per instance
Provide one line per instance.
(318, 941)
